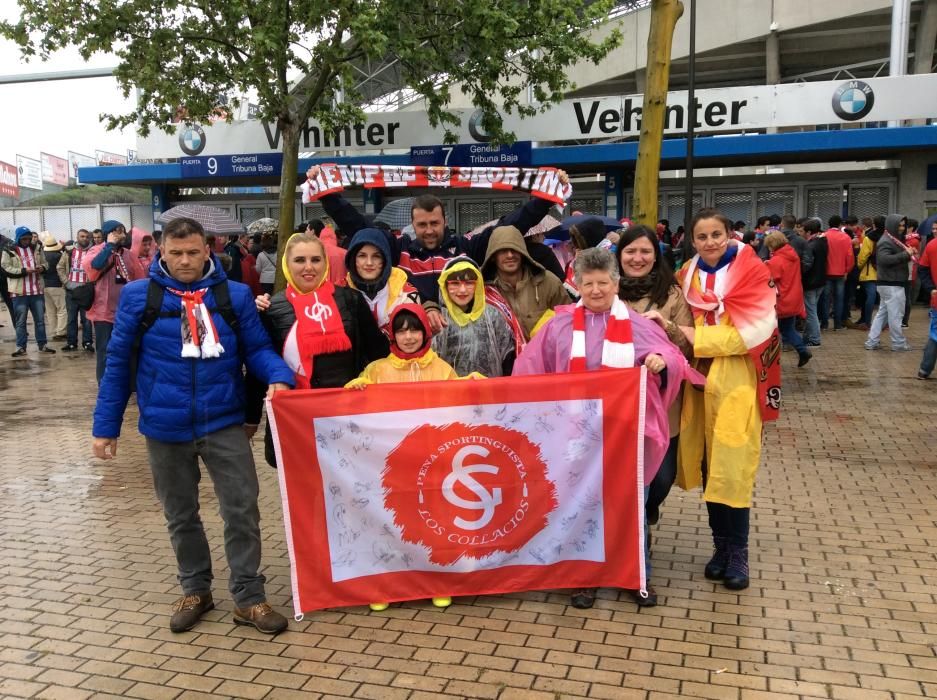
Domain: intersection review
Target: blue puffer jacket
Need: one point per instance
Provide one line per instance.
(182, 399)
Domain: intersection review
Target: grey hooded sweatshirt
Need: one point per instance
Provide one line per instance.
(891, 258)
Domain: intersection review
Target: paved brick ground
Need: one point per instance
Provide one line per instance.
(842, 604)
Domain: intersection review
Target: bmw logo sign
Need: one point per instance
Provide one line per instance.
(853, 100)
(475, 127)
(192, 140)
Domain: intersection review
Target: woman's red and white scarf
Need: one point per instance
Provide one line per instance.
(618, 346)
(318, 331)
(199, 335)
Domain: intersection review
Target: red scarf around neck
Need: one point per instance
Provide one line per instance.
(318, 331)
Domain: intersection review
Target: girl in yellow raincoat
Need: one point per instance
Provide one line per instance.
(736, 345)
(411, 360)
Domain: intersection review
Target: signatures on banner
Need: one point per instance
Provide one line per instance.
(489, 519)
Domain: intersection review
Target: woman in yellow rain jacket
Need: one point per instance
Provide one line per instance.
(736, 345)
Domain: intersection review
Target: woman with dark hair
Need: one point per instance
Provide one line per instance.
(648, 286)
(736, 344)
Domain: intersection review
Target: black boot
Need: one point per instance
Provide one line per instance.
(805, 357)
(716, 568)
(736, 574)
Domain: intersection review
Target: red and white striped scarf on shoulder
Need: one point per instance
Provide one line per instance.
(27, 256)
(618, 346)
(199, 335)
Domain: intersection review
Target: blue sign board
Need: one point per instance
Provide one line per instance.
(242, 165)
(476, 155)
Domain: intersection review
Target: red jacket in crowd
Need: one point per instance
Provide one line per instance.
(840, 259)
(784, 265)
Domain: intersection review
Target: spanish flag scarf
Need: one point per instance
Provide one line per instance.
(748, 297)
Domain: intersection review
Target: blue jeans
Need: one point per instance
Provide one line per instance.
(229, 462)
(930, 357)
(71, 331)
(812, 327)
(790, 335)
(102, 336)
(34, 304)
(647, 541)
(836, 290)
(869, 307)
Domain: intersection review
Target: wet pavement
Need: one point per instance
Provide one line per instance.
(842, 603)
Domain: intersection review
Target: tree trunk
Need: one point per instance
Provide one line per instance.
(664, 16)
(289, 132)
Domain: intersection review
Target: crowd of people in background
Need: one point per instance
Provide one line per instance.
(364, 304)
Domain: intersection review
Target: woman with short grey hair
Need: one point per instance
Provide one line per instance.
(608, 336)
(595, 260)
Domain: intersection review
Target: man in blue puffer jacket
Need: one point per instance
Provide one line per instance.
(190, 392)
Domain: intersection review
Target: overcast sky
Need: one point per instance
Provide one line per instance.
(57, 116)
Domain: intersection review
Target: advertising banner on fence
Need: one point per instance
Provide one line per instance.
(409, 491)
(107, 158)
(29, 171)
(77, 160)
(740, 108)
(9, 184)
(54, 169)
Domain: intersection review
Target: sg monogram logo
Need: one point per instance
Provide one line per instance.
(318, 312)
(487, 502)
(467, 491)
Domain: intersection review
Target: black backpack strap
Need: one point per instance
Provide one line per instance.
(151, 312)
(223, 305)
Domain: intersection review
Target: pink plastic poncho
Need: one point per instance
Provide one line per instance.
(549, 350)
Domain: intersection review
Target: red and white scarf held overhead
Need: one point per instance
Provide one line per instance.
(618, 346)
(318, 330)
(199, 335)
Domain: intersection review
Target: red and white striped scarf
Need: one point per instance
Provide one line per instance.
(618, 346)
(76, 273)
(27, 258)
(120, 267)
(199, 335)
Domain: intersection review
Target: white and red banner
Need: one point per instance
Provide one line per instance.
(9, 181)
(540, 182)
(408, 491)
(54, 169)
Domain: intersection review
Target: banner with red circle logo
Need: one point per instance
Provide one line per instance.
(408, 491)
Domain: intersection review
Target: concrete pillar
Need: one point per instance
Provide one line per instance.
(898, 55)
(925, 37)
(614, 193)
(640, 80)
(160, 199)
(772, 65)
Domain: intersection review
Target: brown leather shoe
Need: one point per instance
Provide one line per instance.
(261, 616)
(187, 611)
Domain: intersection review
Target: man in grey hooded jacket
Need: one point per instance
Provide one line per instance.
(892, 258)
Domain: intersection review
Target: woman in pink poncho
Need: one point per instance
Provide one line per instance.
(601, 316)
